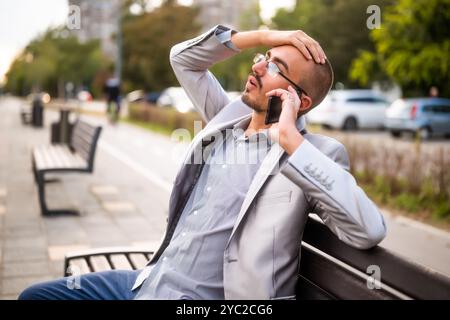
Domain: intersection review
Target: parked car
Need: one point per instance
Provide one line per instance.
(135, 96)
(175, 97)
(350, 110)
(84, 96)
(141, 96)
(423, 116)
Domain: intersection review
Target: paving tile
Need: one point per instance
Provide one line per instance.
(58, 252)
(21, 232)
(118, 206)
(57, 268)
(24, 254)
(14, 286)
(9, 297)
(104, 190)
(33, 242)
(67, 238)
(21, 269)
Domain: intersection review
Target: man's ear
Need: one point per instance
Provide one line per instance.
(305, 106)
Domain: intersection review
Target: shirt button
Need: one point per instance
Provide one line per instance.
(224, 166)
(164, 258)
(208, 189)
(183, 234)
(195, 212)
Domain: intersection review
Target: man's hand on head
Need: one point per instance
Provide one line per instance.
(309, 47)
(285, 131)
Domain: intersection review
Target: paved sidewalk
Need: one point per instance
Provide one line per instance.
(119, 208)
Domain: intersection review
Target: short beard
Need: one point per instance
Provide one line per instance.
(252, 104)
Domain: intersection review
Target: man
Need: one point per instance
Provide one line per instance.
(234, 229)
(112, 92)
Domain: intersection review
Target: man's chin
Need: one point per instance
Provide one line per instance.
(250, 102)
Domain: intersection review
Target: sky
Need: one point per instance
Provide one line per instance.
(23, 20)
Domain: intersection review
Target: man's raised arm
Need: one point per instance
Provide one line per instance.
(191, 59)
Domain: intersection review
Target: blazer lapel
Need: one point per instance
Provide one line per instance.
(266, 169)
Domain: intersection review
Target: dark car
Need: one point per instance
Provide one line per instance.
(425, 117)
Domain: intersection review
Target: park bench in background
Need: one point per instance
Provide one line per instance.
(329, 269)
(78, 156)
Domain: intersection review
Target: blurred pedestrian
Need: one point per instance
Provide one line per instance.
(112, 92)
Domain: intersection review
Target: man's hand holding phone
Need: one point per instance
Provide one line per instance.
(285, 131)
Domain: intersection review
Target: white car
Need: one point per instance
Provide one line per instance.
(175, 97)
(350, 110)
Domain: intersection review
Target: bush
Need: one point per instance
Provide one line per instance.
(167, 118)
(403, 178)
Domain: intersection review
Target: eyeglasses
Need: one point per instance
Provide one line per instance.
(273, 71)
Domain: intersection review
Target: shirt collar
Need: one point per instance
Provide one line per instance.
(239, 132)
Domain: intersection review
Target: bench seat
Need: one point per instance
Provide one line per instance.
(58, 157)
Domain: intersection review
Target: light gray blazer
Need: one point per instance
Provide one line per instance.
(261, 258)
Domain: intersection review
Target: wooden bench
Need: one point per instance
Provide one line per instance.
(329, 269)
(78, 156)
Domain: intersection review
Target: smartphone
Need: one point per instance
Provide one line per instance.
(273, 110)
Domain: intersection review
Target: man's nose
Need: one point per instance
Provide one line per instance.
(259, 68)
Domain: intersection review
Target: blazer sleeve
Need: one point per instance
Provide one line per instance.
(334, 195)
(190, 61)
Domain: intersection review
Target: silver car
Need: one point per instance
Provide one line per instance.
(350, 110)
(425, 117)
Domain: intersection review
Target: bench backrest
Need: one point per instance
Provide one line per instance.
(330, 269)
(84, 141)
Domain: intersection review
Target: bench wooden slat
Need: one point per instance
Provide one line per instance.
(82, 150)
(86, 127)
(139, 260)
(100, 263)
(56, 157)
(120, 261)
(81, 146)
(336, 280)
(306, 290)
(79, 265)
(84, 137)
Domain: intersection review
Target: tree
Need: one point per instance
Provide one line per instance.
(234, 72)
(338, 25)
(147, 40)
(52, 59)
(412, 48)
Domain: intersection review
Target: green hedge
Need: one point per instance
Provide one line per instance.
(167, 119)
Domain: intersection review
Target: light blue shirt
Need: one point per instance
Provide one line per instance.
(191, 267)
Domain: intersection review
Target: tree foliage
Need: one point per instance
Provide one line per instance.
(338, 25)
(147, 39)
(234, 72)
(53, 59)
(412, 48)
